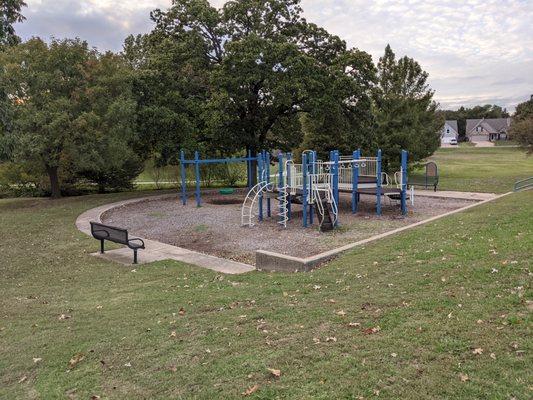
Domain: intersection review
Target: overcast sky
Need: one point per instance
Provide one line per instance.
(476, 51)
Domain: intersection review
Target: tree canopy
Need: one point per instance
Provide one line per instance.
(522, 125)
(241, 77)
(251, 75)
(404, 110)
(69, 108)
(10, 13)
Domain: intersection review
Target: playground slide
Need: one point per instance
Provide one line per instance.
(326, 211)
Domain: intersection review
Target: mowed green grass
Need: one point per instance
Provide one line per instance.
(487, 169)
(441, 311)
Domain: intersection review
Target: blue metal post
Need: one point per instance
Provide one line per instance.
(267, 169)
(260, 171)
(334, 158)
(336, 177)
(304, 189)
(249, 169)
(197, 175)
(289, 206)
(280, 183)
(378, 184)
(405, 156)
(183, 178)
(355, 181)
(313, 171)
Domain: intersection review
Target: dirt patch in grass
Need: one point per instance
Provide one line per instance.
(216, 228)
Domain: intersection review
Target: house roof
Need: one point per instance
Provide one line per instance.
(452, 124)
(471, 124)
(491, 125)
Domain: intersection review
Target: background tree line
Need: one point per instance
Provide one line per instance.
(252, 75)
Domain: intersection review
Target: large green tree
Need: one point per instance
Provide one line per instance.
(42, 83)
(10, 13)
(106, 149)
(404, 110)
(68, 106)
(522, 125)
(240, 77)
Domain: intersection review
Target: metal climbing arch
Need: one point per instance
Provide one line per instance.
(247, 210)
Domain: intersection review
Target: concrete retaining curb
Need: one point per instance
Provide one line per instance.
(265, 260)
(270, 261)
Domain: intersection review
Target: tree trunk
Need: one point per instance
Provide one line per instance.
(54, 182)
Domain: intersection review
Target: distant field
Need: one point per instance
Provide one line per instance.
(488, 169)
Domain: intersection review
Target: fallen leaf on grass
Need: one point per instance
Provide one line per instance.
(331, 339)
(275, 372)
(173, 368)
(37, 359)
(76, 359)
(181, 311)
(394, 355)
(251, 390)
(354, 324)
(128, 364)
(62, 317)
(172, 334)
(463, 377)
(342, 313)
(23, 379)
(95, 397)
(370, 331)
(477, 351)
(493, 356)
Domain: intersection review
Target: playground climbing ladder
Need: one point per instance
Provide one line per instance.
(247, 211)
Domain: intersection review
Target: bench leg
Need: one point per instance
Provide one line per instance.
(101, 246)
(135, 256)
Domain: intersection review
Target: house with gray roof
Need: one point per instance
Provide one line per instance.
(449, 132)
(487, 129)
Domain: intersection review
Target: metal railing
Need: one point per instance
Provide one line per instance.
(523, 184)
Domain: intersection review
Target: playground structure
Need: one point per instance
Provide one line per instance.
(317, 184)
(314, 184)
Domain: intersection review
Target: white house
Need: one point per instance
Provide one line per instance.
(449, 132)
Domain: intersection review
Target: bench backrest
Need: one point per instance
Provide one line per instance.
(432, 170)
(111, 233)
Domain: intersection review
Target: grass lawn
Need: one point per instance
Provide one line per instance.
(487, 169)
(441, 311)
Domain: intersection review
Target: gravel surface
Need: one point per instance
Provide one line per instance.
(215, 228)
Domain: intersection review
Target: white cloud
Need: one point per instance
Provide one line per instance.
(474, 50)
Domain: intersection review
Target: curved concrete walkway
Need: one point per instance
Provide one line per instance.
(156, 251)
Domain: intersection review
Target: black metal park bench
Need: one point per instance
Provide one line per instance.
(117, 235)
